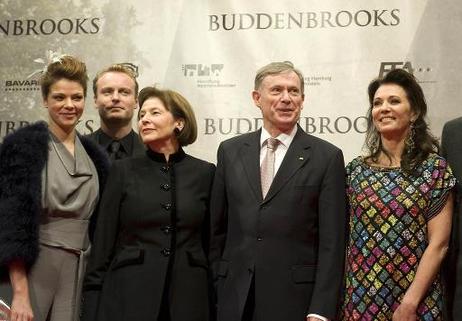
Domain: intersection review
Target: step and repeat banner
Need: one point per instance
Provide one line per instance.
(210, 50)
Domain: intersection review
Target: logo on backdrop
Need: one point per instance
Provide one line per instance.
(304, 20)
(423, 73)
(134, 68)
(65, 26)
(28, 84)
(317, 80)
(206, 75)
(19, 85)
(312, 125)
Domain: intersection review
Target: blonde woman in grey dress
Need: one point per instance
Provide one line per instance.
(51, 179)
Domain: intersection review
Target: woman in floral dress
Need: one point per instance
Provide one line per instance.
(400, 210)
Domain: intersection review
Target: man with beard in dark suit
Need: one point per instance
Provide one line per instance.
(115, 90)
(278, 213)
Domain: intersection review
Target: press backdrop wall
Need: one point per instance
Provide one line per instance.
(210, 50)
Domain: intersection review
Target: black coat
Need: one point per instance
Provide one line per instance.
(151, 236)
(23, 156)
(452, 150)
(292, 242)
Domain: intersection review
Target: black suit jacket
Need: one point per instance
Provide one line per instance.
(151, 236)
(452, 150)
(292, 241)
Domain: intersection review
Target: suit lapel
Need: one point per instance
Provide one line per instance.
(296, 157)
(250, 158)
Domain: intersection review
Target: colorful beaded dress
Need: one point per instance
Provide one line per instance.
(389, 211)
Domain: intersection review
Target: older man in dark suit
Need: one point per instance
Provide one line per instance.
(278, 213)
(452, 150)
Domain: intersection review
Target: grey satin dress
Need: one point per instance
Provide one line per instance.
(69, 196)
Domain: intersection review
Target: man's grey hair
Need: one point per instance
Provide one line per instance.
(276, 68)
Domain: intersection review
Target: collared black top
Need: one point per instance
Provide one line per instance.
(130, 145)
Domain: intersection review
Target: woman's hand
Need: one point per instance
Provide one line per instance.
(21, 309)
(405, 312)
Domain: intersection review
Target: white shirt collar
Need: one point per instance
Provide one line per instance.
(284, 139)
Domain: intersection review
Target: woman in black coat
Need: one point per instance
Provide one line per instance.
(148, 261)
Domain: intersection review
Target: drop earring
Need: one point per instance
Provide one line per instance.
(410, 139)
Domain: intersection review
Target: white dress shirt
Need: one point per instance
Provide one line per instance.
(284, 142)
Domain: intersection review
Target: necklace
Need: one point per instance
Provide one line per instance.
(55, 147)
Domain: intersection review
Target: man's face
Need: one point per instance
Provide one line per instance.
(115, 98)
(280, 100)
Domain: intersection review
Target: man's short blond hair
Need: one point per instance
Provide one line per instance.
(115, 68)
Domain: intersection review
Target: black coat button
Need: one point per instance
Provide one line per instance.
(259, 238)
(167, 229)
(164, 168)
(165, 187)
(166, 206)
(166, 252)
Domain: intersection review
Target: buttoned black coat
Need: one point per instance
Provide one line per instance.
(151, 234)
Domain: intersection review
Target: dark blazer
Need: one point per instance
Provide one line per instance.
(292, 241)
(151, 236)
(451, 148)
(23, 156)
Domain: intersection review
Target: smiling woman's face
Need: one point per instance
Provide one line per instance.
(391, 111)
(65, 103)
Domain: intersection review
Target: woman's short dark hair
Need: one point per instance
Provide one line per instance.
(68, 67)
(178, 106)
(424, 142)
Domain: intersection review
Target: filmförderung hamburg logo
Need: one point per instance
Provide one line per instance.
(206, 75)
